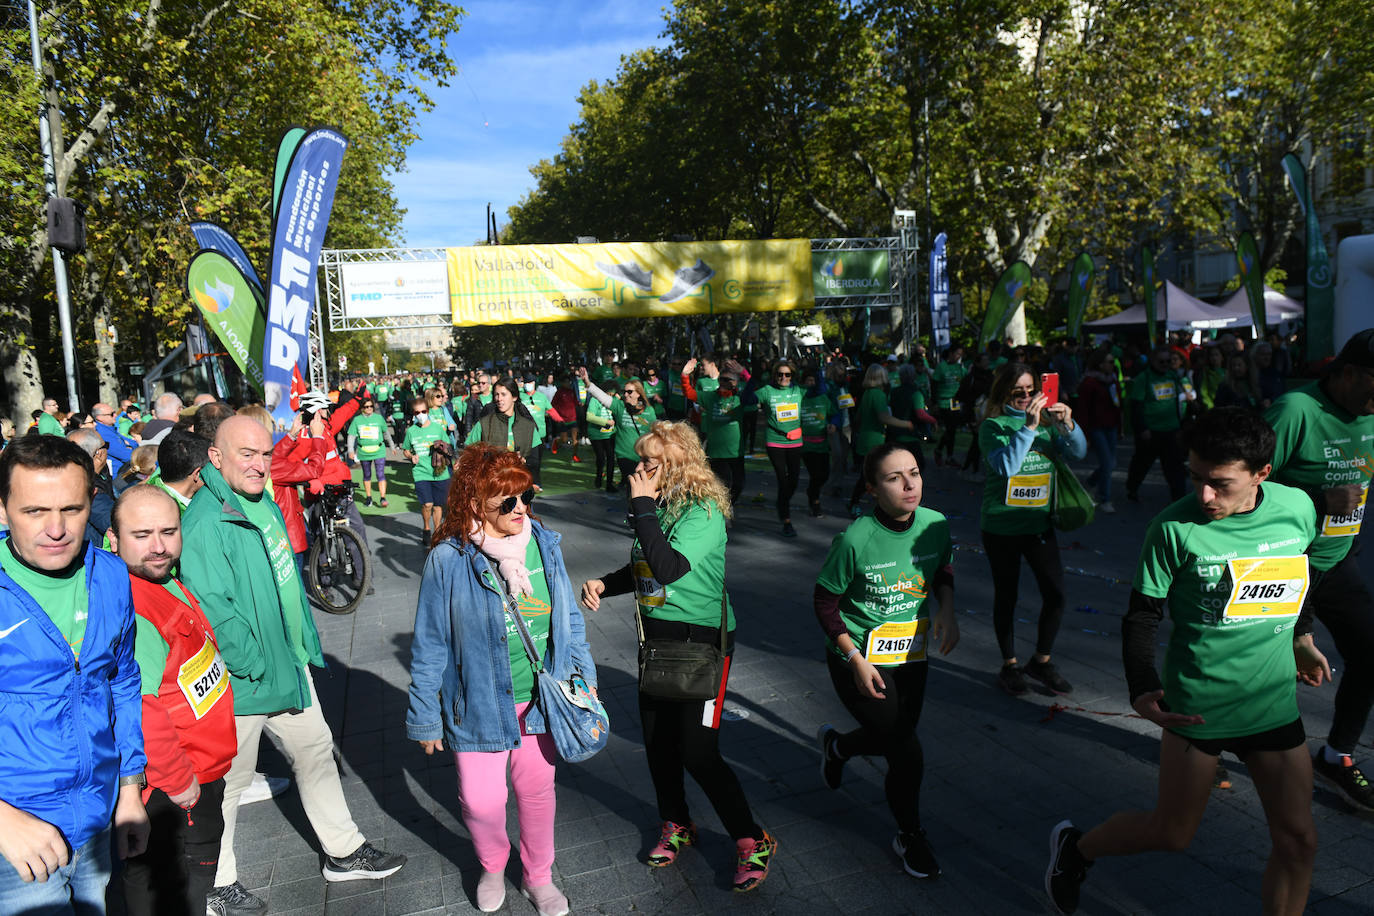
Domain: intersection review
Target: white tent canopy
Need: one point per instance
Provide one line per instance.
(1176, 309)
(1277, 307)
(1173, 308)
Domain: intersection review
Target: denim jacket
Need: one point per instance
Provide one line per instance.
(460, 680)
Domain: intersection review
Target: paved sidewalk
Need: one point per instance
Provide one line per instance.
(999, 771)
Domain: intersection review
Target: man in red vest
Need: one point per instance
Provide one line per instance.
(188, 713)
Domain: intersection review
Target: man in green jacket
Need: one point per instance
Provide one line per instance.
(238, 560)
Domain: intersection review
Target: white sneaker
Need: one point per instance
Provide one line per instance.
(264, 787)
(1107, 507)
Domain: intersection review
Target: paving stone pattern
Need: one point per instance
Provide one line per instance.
(999, 771)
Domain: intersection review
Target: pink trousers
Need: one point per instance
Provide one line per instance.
(482, 793)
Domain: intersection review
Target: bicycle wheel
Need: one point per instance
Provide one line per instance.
(338, 571)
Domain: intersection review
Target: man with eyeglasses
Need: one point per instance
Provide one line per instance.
(121, 447)
(1325, 448)
(48, 424)
(102, 490)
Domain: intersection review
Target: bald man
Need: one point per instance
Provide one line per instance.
(189, 734)
(237, 560)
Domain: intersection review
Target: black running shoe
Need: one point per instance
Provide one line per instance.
(367, 862)
(1346, 779)
(788, 531)
(832, 764)
(917, 859)
(1012, 680)
(1047, 674)
(234, 900)
(1067, 870)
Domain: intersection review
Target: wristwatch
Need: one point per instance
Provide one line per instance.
(135, 779)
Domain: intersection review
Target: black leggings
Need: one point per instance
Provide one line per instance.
(887, 728)
(604, 450)
(1341, 600)
(859, 485)
(176, 873)
(1169, 450)
(1042, 556)
(676, 740)
(817, 472)
(949, 425)
(534, 460)
(731, 473)
(787, 467)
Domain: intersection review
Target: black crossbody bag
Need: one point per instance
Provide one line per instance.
(675, 669)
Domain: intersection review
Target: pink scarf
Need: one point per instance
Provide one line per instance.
(509, 555)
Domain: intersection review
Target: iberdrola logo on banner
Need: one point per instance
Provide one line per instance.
(1006, 298)
(231, 309)
(849, 273)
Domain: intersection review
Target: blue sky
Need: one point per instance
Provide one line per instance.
(524, 62)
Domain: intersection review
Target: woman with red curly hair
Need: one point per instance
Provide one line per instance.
(472, 683)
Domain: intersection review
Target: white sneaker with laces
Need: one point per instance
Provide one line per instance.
(264, 787)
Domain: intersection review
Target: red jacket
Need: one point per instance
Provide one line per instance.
(1098, 403)
(188, 728)
(295, 461)
(335, 470)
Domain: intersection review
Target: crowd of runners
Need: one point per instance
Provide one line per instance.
(154, 621)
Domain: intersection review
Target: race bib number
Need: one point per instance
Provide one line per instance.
(1268, 587)
(648, 591)
(956, 405)
(1344, 526)
(203, 680)
(1164, 391)
(1028, 491)
(787, 412)
(846, 400)
(896, 643)
(369, 433)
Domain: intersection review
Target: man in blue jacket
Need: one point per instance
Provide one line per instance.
(121, 448)
(71, 741)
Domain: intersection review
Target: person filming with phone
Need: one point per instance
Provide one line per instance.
(1023, 429)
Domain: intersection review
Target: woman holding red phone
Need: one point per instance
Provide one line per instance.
(1022, 429)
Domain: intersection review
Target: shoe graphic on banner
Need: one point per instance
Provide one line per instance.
(630, 273)
(688, 280)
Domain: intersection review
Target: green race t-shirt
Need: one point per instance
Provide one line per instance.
(869, 429)
(601, 375)
(904, 402)
(782, 408)
(63, 598)
(699, 535)
(946, 383)
(538, 405)
(719, 419)
(1235, 587)
(816, 412)
(595, 431)
(535, 609)
(1319, 446)
(1159, 392)
(150, 649)
(417, 441)
(49, 426)
(884, 579)
(629, 427)
(371, 433)
(1019, 504)
(263, 513)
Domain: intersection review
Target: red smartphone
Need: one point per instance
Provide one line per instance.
(1049, 387)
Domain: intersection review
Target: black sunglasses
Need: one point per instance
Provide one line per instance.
(783, 374)
(508, 504)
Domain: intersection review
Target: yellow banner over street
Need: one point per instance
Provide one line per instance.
(519, 284)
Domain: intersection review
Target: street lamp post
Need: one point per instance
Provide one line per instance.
(59, 261)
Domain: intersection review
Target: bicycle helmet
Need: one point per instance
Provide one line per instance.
(315, 401)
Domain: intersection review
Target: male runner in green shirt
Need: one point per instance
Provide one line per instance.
(1325, 435)
(1230, 561)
